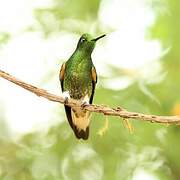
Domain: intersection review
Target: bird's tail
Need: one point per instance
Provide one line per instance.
(84, 134)
(81, 119)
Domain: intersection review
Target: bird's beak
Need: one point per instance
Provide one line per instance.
(98, 38)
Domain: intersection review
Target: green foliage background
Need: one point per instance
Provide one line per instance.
(117, 154)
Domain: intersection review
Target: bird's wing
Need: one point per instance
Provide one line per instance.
(94, 81)
(67, 109)
(61, 75)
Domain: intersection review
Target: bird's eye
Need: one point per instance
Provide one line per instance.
(82, 40)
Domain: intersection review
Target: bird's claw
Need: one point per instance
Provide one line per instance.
(84, 104)
(66, 100)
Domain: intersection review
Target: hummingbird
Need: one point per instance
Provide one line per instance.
(78, 80)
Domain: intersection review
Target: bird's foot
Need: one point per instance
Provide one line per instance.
(66, 96)
(66, 100)
(84, 104)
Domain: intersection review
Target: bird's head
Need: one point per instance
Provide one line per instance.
(87, 42)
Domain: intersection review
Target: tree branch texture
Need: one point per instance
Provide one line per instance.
(106, 110)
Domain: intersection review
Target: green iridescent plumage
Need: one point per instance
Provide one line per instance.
(78, 78)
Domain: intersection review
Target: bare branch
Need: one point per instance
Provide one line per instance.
(121, 112)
